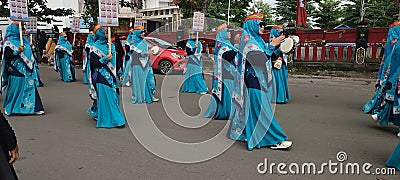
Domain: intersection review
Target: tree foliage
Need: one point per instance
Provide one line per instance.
(378, 13)
(327, 14)
(39, 9)
(285, 11)
(216, 9)
(91, 11)
(265, 8)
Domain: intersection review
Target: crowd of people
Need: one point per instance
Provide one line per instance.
(250, 75)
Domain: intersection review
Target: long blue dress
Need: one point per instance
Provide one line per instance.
(394, 159)
(104, 85)
(280, 75)
(19, 76)
(193, 74)
(143, 82)
(127, 58)
(223, 78)
(63, 58)
(385, 102)
(254, 119)
(89, 43)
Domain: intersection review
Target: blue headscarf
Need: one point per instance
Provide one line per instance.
(90, 39)
(101, 40)
(130, 38)
(274, 33)
(222, 37)
(192, 42)
(62, 41)
(12, 35)
(139, 41)
(251, 31)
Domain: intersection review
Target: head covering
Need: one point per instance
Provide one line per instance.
(138, 40)
(62, 41)
(251, 34)
(12, 36)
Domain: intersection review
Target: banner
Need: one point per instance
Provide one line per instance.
(198, 21)
(138, 20)
(31, 25)
(75, 24)
(18, 10)
(301, 16)
(108, 12)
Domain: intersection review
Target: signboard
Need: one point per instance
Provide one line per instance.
(108, 12)
(75, 24)
(138, 20)
(18, 10)
(198, 21)
(31, 25)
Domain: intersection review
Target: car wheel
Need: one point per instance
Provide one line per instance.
(165, 66)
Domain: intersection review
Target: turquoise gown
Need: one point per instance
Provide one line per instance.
(193, 73)
(63, 58)
(280, 75)
(254, 120)
(394, 159)
(19, 76)
(103, 84)
(221, 106)
(143, 82)
(127, 58)
(89, 43)
(385, 102)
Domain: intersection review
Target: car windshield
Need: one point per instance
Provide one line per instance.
(161, 43)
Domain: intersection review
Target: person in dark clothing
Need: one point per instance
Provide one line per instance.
(180, 37)
(42, 42)
(8, 151)
(120, 54)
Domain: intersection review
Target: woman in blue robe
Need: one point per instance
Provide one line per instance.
(394, 159)
(143, 82)
(193, 73)
(280, 71)
(89, 43)
(19, 75)
(223, 77)
(255, 121)
(385, 105)
(104, 83)
(63, 58)
(127, 59)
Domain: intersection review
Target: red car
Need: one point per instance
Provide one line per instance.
(164, 56)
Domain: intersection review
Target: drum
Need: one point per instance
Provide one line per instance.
(155, 50)
(287, 45)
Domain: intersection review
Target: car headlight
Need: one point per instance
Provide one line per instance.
(179, 56)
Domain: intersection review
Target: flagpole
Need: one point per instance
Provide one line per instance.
(229, 9)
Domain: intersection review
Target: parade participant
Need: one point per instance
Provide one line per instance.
(120, 54)
(8, 150)
(103, 83)
(394, 159)
(384, 105)
(223, 76)
(193, 73)
(127, 59)
(237, 41)
(279, 69)
(19, 76)
(63, 59)
(89, 43)
(142, 77)
(25, 37)
(256, 123)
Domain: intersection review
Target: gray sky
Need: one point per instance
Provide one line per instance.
(270, 2)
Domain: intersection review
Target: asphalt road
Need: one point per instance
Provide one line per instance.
(323, 117)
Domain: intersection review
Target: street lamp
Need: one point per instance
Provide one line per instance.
(229, 9)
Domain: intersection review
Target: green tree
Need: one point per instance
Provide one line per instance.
(92, 10)
(285, 11)
(265, 8)
(327, 14)
(216, 9)
(379, 13)
(39, 9)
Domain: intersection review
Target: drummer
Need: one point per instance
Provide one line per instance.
(280, 69)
